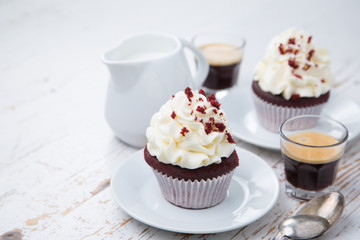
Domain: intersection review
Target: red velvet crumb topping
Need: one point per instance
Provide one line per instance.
(211, 126)
(229, 137)
(215, 111)
(291, 41)
(200, 99)
(208, 127)
(311, 53)
(292, 63)
(212, 99)
(173, 115)
(202, 92)
(309, 40)
(220, 126)
(323, 80)
(201, 109)
(189, 93)
(184, 130)
(215, 104)
(297, 75)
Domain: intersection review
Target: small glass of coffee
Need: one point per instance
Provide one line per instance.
(311, 147)
(224, 53)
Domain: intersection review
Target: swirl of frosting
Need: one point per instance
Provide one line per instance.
(294, 67)
(190, 131)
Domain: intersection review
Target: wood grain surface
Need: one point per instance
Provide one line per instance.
(57, 153)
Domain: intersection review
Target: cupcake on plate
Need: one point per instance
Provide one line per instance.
(293, 78)
(191, 151)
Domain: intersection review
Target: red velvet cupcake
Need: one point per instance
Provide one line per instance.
(292, 79)
(191, 150)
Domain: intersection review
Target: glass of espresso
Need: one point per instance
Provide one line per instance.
(224, 53)
(311, 147)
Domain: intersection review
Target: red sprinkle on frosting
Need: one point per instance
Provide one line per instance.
(173, 115)
(291, 41)
(229, 137)
(212, 120)
(297, 75)
(211, 126)
(208, 127)
(309, 40)
(311, 53)
(323, 80)
(215, 104)
(220, 126)
(202, 92)
(212, 99)
(292, 63)
(201, 109)
(189, 93)
(184, 130)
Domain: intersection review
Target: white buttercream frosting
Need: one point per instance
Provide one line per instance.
(190, 132)
(294, 66)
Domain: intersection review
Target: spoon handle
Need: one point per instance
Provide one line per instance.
(281, 236)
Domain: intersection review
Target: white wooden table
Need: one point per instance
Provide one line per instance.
(57, 153)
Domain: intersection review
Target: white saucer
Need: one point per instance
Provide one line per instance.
(240, 110)
(253, 191)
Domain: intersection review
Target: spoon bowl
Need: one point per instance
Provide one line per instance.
(329, 206)
(302, 227)
(314, 218)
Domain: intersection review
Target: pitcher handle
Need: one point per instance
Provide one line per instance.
(202, 64)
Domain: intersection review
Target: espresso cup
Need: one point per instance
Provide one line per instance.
(311, 148)
(224, 53)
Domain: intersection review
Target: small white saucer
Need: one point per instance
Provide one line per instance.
(253, 191)
(241, 114)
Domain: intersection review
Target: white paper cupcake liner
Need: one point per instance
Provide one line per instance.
(194, 194)
(271, 116)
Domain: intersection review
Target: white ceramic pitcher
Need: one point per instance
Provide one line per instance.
(145, 70)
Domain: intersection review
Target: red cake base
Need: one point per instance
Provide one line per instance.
(208, 172)
(292, 102)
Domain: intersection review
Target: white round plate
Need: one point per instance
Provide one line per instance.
(253, 191)
(240, 110)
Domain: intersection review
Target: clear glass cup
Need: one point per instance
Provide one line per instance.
(311, 147)
(224, 52)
